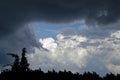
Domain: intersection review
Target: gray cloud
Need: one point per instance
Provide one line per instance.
(13, 43)
(14, 13)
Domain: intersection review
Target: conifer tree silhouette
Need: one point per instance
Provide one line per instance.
(15, 65)
(24, 65)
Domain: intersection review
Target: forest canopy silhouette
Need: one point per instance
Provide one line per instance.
(20, 71)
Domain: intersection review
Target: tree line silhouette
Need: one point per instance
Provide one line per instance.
(20, 71)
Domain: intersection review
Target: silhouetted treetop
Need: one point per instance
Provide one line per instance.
(15, 65)
(24, 65)
(18, 65)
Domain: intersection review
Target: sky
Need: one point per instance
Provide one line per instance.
(75, 47)
(76, 35)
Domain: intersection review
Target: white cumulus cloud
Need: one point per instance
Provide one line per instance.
(48, 43)
(78, 54)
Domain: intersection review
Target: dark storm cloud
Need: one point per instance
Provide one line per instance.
(14, 12)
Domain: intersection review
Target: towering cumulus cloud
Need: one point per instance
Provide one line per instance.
(14, 15)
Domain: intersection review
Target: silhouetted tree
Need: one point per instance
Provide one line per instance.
(24, 65)
(15, 65)
(110, 77)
